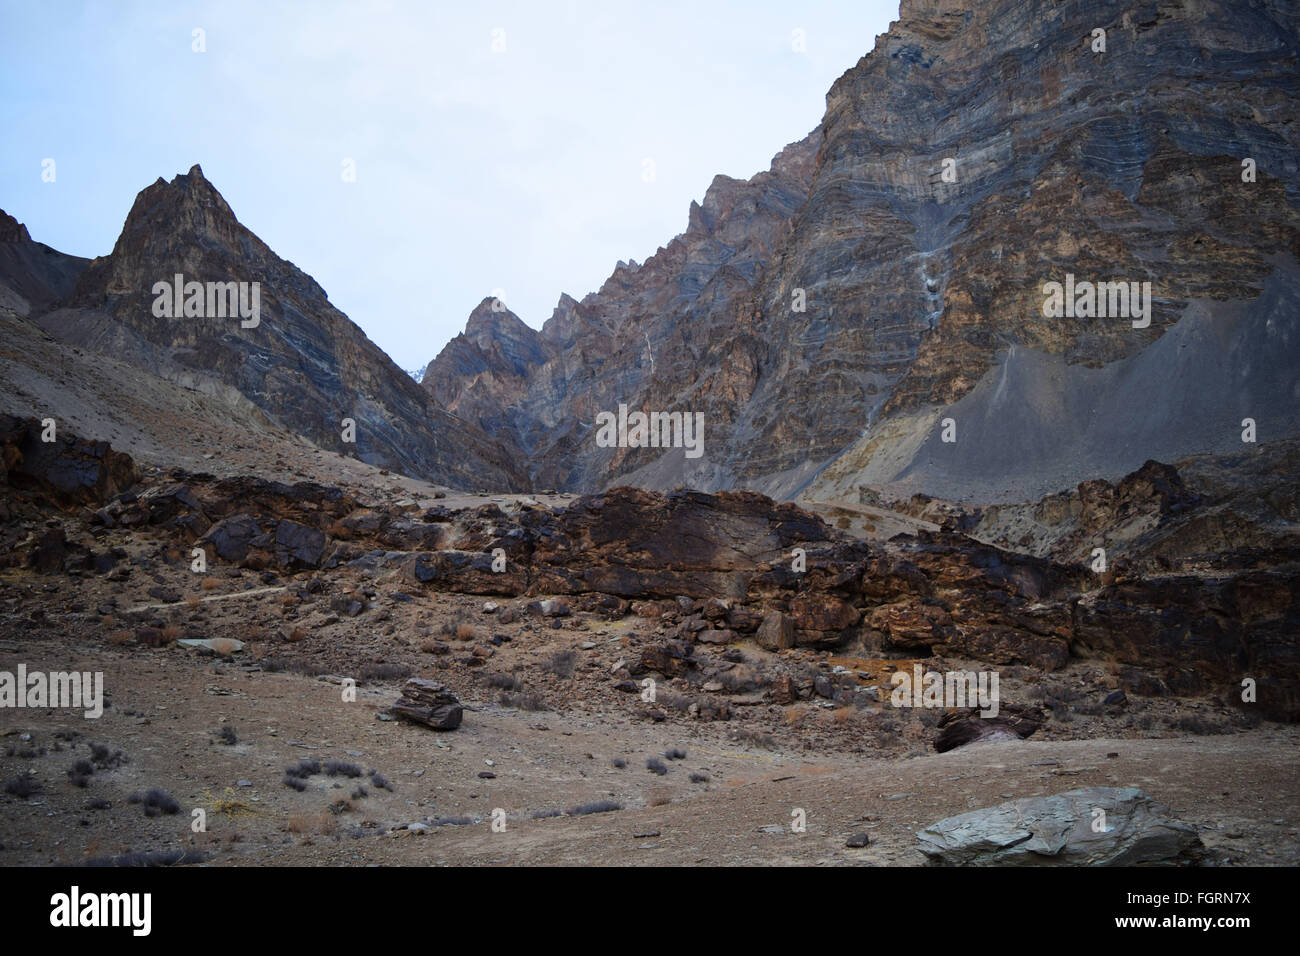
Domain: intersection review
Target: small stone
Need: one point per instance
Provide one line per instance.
(856, 841)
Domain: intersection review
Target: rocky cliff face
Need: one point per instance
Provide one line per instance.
(983, 149)
(299, 359)
(32, 275)
(659, 335)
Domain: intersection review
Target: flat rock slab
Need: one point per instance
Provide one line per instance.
(1095, 826)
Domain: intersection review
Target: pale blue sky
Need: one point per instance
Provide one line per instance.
(475, 170)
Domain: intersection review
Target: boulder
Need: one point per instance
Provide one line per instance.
(430, 703)
(776, 633)
(1063, 830)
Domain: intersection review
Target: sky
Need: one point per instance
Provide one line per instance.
(414, 158)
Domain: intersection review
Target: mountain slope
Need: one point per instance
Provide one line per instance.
(983, 149)
(303, 363)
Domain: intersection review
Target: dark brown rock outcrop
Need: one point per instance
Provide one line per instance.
(67, 471)
(429, 703)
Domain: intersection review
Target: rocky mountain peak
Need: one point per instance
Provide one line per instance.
(299, 360)
(11, 230)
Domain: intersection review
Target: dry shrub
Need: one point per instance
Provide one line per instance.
(223, 646)
(120, 638)
(210, 584)
(194, 601)
(251, 633)
(791, 714)
(107, 621)
(296, 635)
(466, 631)
(658, 797)
(301, 823)
(322, 823)
(171, 633)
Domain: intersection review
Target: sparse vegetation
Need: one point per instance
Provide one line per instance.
(525, 701)
(155, 802)
(308, 668)
(22, 786)
(381, 672)
(597, 806)
(656, 766)
(106, 760)
(149, 858)
(81, 772)
(561, 663)
(339, 768)
(755, 738)
(305, 767)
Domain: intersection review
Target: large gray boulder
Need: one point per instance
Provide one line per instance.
(1065, 829)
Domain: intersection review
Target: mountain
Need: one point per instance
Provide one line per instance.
(980, 152)
(32, 275)
(299, 360)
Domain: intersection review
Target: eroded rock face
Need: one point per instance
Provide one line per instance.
(725, 567)
(919, 230)
(67, 471)
(1059, 831)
